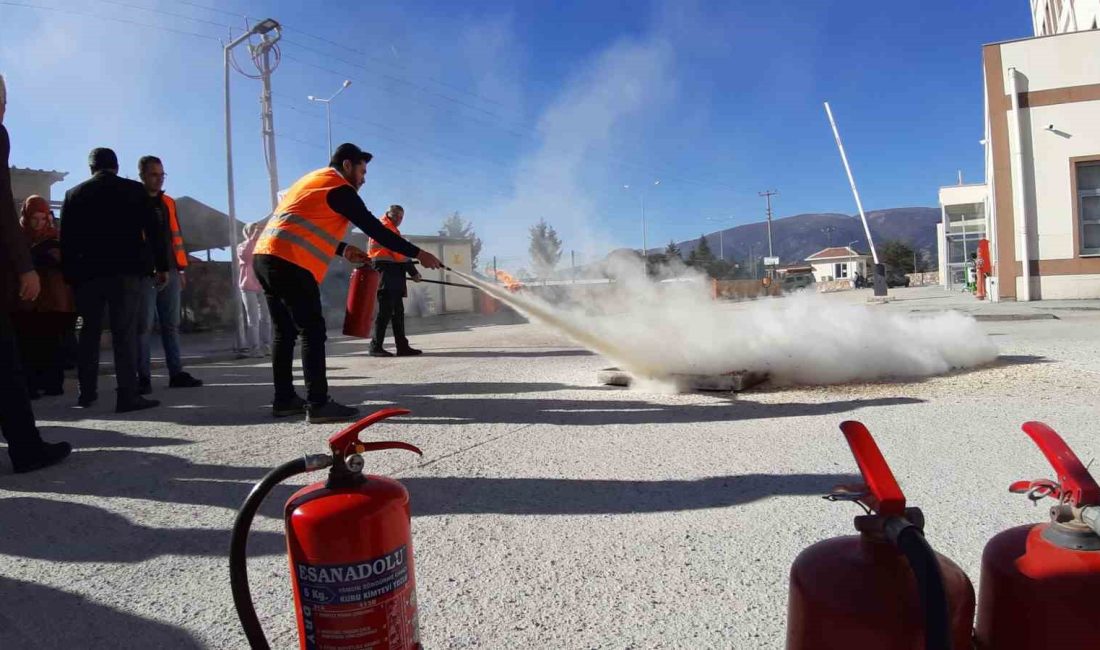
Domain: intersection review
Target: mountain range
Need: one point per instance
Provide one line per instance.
(796, 238)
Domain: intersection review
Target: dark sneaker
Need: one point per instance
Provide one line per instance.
(409, 352)
(145, 386)
(380, 353)
(184, 380)
(330, 411)
(50, 453)
(295, 406)
(135, 404)
(85, 400)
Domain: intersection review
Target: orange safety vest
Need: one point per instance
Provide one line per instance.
(377, 251)
(305, 231)
(177, 234)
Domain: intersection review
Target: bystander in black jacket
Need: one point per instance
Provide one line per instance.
(108, 228)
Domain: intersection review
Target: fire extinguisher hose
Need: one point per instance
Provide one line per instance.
(238, 545)
(933, 594)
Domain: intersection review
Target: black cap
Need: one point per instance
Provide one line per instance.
(102, 158)
(348, 151)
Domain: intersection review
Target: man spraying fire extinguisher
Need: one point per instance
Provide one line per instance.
(291, 259)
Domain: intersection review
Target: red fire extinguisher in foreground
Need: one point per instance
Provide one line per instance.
(1041, 583)
(350, 548)
(362, 297)
(884, 589)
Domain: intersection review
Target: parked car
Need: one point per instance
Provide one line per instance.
(797, 281)
(894, 278)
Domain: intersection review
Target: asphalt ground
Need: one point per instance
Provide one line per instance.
(549, 511)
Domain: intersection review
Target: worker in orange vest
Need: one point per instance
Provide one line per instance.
(291, 259)
(392, 289)
(162, 303)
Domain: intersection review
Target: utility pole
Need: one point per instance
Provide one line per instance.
(262, 54)
(829, 230)
(263, 28)
(768, 196)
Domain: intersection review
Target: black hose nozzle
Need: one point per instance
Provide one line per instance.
(238, 545)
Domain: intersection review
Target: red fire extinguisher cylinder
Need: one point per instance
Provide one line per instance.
(884, 588)
(350, 551)
(1040, 582)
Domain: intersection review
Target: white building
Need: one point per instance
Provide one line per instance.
(1042, 161)
(838, 263)
(964, 209)
(1061, 16)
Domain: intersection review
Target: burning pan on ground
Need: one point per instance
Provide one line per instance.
(734, 381)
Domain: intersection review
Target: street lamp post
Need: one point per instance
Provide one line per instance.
(328, 110)
(721, 236)
(259, 28)
(645, 244)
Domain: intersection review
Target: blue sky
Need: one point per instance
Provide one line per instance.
(511, 112)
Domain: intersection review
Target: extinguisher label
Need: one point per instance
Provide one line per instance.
(365, 605)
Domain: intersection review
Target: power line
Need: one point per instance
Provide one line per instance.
(165, 13)
(75, 12)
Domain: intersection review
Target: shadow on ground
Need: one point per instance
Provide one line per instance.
(454, 495)
(35, 616)
(62, 531)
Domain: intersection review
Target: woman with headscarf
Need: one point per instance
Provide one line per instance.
(41, 324)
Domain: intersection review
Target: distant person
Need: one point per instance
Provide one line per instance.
(257, 317)
(43, 322)
(108, 236)
(18, 281)
(162, 303)
(291, 259)
(392, 290)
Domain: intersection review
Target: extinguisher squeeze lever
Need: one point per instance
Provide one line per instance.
(1074, 486)
(902, 527)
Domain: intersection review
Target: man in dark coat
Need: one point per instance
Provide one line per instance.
(18, 280)
(392, 290)
(110, 244)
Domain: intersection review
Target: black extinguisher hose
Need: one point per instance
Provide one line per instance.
(933, 594)
(238, 545)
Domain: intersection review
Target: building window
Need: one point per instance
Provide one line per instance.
(840, 270)
(1088, 206)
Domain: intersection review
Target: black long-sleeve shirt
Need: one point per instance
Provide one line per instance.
(15, 255)
(345, 200)
(108, 227)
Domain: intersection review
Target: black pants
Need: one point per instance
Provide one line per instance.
(391, 308)
(121, 296)
(41, 340)
(16, 417)
(294, 300)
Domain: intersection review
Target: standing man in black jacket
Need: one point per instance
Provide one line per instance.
(110, 240)
(17, 279)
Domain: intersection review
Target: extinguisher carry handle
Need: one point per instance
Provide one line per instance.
(882, 494)
(1074, 483)
(339, 442)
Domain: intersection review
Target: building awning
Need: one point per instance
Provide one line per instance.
(203, 226)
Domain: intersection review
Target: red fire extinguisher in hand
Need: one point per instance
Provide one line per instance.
(1040, 583)
(350, 550)
(884, 589)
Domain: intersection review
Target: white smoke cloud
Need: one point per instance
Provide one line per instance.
(626, 81)
(659, 329)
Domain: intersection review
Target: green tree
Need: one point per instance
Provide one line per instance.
(456, 226)
(897, 254)
(545, 247)
(673, 251)
(702, 254)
